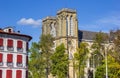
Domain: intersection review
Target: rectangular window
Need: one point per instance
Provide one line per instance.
(10, 45)
(19, 74)
(1, 44)
(9, 59)
(19, 60)
(1, 59)
(0, 73)
(9, 74)
(19, 45)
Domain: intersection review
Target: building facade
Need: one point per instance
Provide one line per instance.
(64, 28)
(13, 54)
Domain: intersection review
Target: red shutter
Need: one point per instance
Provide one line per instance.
(0, 73)
(19, 58)
(9, 74)
(1, 57)
(19, 74)
(19, 44)
(9, 58)
(10, 43)
(1, 42)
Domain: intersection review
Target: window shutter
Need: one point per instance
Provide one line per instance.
(0, 73)
(9, 58)
(1, 57)
(1, 42)
(19, 74)
(19, 58)
(19, 44)
(10, 43)
(9, 74)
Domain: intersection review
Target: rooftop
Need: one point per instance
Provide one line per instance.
(10, 31)
(87, 35)
(66, 10)
(49, 18)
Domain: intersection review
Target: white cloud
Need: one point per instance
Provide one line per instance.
(30, 21)
(113, 20)
(106, 23)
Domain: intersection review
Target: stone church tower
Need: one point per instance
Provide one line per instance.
(64, 27)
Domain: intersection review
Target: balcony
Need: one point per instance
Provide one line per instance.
(19, 64)
(10, 48)
(10, 64)
(1, 48)
(1, 63)
(20, 49)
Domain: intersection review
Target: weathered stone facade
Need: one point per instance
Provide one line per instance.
(64, 27)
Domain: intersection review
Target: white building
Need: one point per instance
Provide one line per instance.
(13, 53)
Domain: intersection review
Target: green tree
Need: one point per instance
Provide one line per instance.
(36, 62)
(98, 48)
(39, 60)
(113, 69)
(46, 46)
(81, 56)
(59, 61)
(116, 49)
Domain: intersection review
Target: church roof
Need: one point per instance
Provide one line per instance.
(87, 35)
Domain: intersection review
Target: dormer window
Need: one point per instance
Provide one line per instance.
(9, 30)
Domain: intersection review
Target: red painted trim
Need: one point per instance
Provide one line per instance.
(10, 43)
(1, 57)
(18, 74)
(0, 73)
(19, 44)
(9, 74)
(19, 58)
(9, 58)
(1, 42)
(16, 34)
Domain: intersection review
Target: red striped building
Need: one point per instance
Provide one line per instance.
(13, 53)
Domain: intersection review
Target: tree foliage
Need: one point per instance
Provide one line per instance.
(40, 53)
(59, 61)
(98, 48)
(36, 62)
(113, 69)
(81, 56)
(116, 49)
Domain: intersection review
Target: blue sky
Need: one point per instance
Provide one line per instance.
(26, 15)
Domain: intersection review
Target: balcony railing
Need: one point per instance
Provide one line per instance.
(10, 64)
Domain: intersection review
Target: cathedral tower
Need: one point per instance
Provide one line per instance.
(64, 27)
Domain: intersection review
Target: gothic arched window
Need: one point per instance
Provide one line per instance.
(53, 30)
(67, 26)
(45, 30)
(71, 26)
